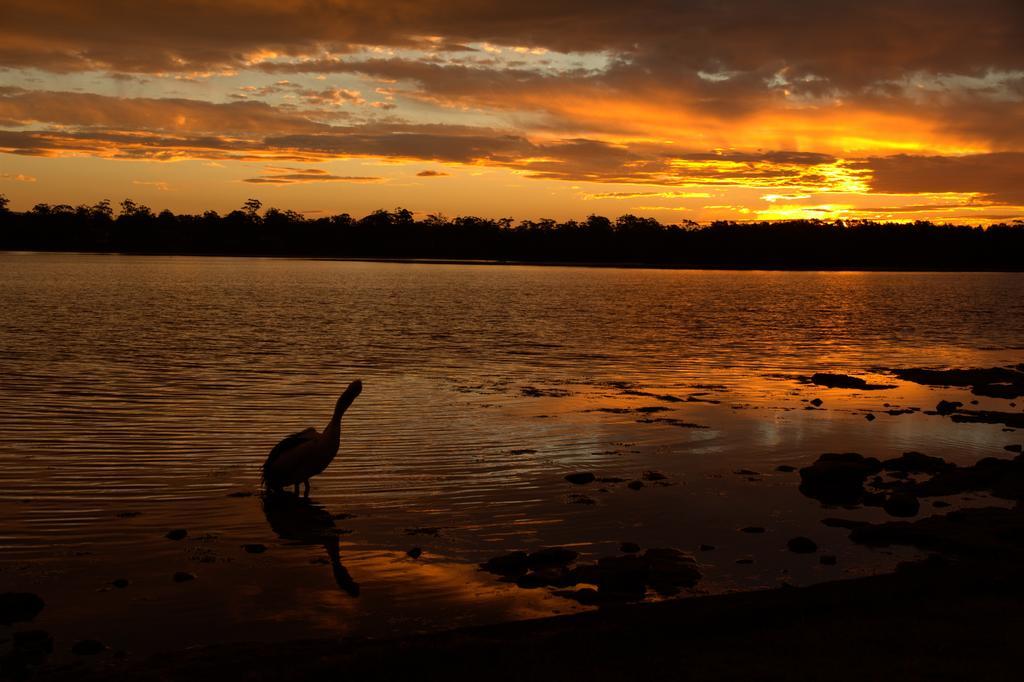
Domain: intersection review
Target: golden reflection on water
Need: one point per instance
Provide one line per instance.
(139, 393)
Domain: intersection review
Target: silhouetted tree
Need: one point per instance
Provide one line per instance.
(627, 239)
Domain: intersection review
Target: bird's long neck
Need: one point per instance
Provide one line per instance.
(332, 431)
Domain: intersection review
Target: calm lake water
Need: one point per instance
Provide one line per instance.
(141, 394)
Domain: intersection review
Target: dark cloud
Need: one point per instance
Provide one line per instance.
(845, 41)
(430, 174)
(293, 176)
(997, 178)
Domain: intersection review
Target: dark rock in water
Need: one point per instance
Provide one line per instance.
(635, 485)
(551, 556)
(870, 417)
(120, 583)
(622, 577)
(30, 648)
(241, 493)
(523, 451)
(752, 529)
(176, 534)
(974, 402)
(18, 607)
(817, 402)
(827, 559)
(415, 552)
(785, 468)
(948, 407)
(1011, 419)
(1004, 477)
(802, 545)
(183, 577)
(1012, 448)
(653, 408)
(996, 382)
(829, 380)
(985, 532)
(88, 647)
(838, 478)
(915, 462)
(580, 478)
(629, 548)
(843, 523)
(668, 570)
(511, 564)
(654, 476)
(873, 499)
(706, 548)
(902, 504)
(254, 548)
(746, 472)
(577, 498)
(940, 504)
(586, 596)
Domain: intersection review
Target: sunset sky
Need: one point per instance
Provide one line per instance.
(699, 110)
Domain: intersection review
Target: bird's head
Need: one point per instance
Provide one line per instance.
(350, 394)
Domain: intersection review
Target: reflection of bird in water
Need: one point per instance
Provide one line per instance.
(307, 453)
(302, 522)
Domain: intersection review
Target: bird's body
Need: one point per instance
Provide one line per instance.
(305, 454)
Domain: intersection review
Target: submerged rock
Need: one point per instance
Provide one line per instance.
(802, 545)
(987, 532)
(915, 462)
(635, 485)
(654, 476)
(785, 468)
(838, 478)
(580, 478)
(29, 648)
(415, 552)
(1011, 419)
(183, 577)
(830, 380)
(18, 607)
(948, 407)
(551, 556)
(176, 534)
(88, 647)
(817, 402)
(513, 563)
(902, 504)
(254, 548)
(995, 382)
(832, 522)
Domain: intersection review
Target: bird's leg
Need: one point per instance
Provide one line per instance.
(296, 488)
(305, 492)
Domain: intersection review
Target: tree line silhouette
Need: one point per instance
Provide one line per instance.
(399, 234)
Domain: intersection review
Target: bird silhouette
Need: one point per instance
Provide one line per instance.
(305, 454)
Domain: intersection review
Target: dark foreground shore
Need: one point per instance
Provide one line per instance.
(943, 620)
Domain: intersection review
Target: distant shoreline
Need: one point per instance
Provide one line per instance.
(623, 265)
